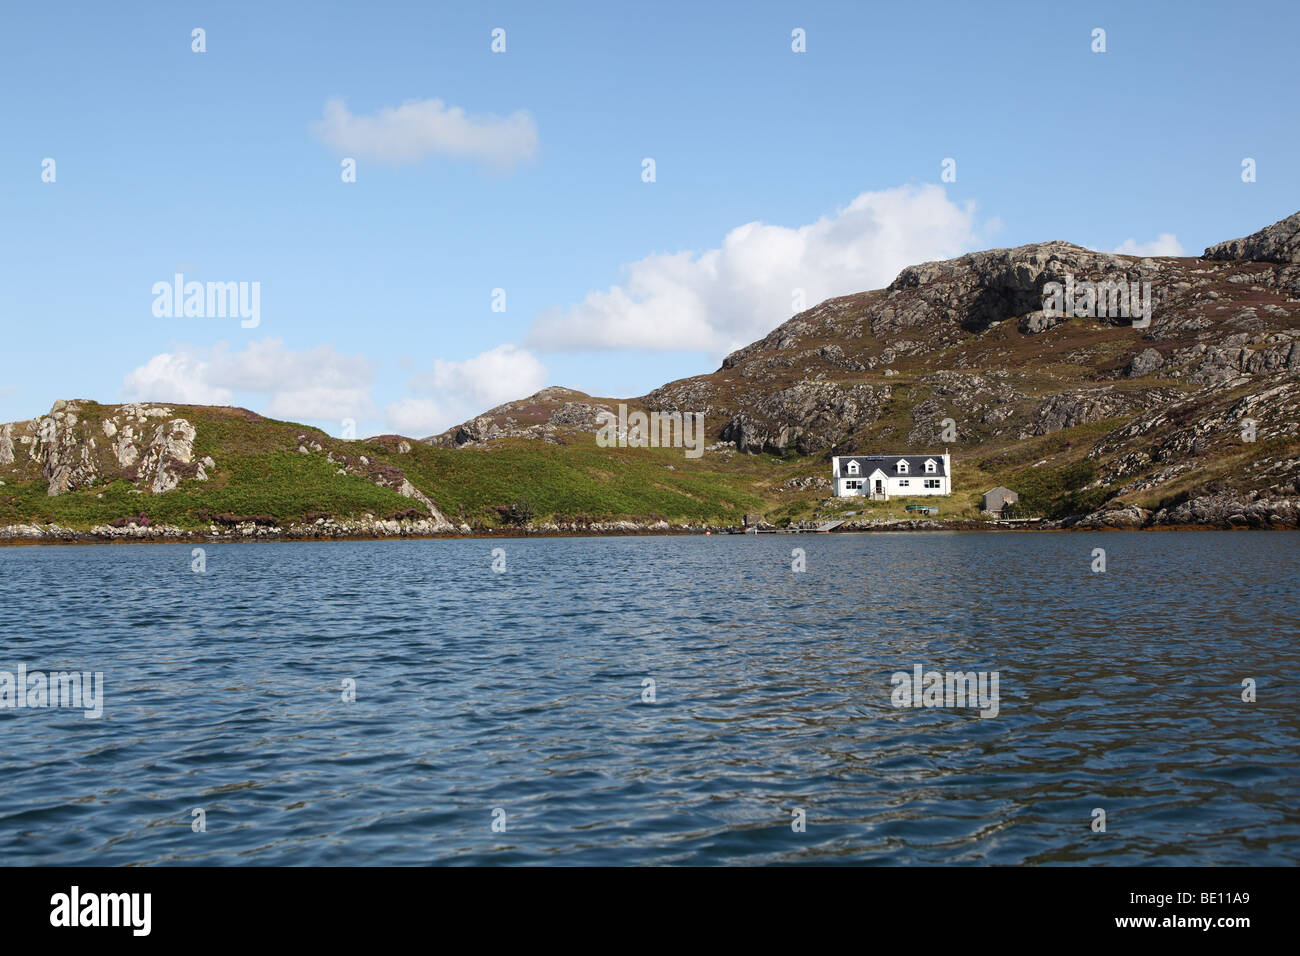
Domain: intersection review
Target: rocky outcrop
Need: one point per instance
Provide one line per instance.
(1123, 518)
(1144, 363)
(1038, 321)
(806, 417)
(544, 416)
(67, 461)
(973, 399)
(1279, 242)
(806, 483)
(1082, 407)
(436, 518)
(975, 291)
(1232, 510)
(70, 448)
(168, 457)
(580, 415)
(1215, 510)
(893, 524)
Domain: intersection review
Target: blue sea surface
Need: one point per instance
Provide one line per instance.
(504, 717)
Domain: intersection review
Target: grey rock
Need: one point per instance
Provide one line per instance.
(1279, 242)
(1144, 363)
(1039, 321)
(803, 417)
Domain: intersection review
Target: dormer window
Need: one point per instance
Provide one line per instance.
(902, 466)
(929, 466)
(853, 468)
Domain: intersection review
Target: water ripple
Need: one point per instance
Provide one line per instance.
(523, 691)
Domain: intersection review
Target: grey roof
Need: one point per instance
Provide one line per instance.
(1000, 494)
(886, 463)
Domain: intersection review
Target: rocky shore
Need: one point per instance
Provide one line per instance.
(1210, 512)
(330, 529)
(1229, 511)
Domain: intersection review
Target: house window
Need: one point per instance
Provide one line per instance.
(852, 485)
(853, 468)
(902, 467)
(932, 482)
(929, 467)
(903, 483)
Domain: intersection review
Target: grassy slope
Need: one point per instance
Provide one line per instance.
(580, 479)
(260, 472)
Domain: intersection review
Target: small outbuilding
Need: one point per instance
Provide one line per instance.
(995, 500)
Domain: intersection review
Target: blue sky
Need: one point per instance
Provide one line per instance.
(778, 175)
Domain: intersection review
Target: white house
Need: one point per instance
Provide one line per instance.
(891, 476)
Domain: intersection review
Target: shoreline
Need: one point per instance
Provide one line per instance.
(67, 536)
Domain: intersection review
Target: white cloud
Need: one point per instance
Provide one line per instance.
(460, 390)
(723, 298)
(320, 385)
(311, 384)
(420, 128)
(489, 378)
(174, 377)
(418, 417)
(1166, 244)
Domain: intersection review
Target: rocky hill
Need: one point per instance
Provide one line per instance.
(1197, 411)
(545, 416)
(1192, 418)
